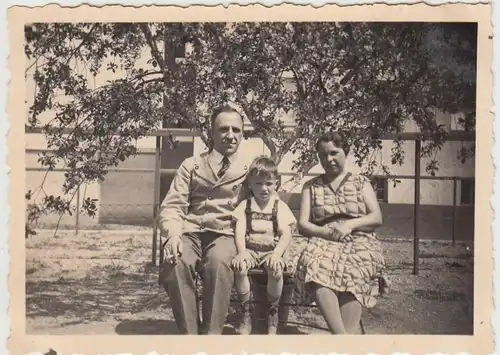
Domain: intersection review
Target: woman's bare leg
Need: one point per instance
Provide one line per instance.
(328, 304)
(351, 311)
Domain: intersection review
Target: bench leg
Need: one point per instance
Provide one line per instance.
(362, 326)
(198, 303)
(160, 281)
(259, 307)
(286, 297)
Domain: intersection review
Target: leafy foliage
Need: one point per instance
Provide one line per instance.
(364, 79)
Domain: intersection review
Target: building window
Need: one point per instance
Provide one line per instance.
(467, 192)
(180, 49)
(381, 187)
(457, 121)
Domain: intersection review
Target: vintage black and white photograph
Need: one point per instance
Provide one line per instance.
(237, 178)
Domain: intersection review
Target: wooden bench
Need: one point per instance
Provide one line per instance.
(258, 279)
(258, 282)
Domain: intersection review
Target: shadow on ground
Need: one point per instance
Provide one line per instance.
(96, 297)
(97, 285)
(168, 327)
(146, 327)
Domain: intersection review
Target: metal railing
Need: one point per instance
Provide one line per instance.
(157, 172)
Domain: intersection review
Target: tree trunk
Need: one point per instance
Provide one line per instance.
(171, 158)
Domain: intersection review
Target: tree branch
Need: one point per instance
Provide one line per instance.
(73, 52)
(84, 40)
(257, 125)
(144, 82)
(289, 143)
(298, 83)
(147, 73)
(322, 85)
(152, 45)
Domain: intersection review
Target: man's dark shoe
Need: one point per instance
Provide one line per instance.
(245, 324)
(272, 319)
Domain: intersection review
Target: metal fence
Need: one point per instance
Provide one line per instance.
(125, 198)
(126, 202)
(129, 197)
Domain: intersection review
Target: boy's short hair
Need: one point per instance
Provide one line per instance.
(264, 167)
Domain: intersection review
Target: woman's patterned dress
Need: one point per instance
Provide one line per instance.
(352, 266)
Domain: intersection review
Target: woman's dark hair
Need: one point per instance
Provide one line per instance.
(337, 139)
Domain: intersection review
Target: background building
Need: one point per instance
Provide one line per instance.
(126, 197)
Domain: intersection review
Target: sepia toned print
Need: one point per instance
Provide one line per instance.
(139, 136)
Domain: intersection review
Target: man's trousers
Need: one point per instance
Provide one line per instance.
(208, 254)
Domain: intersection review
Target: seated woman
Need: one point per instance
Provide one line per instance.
(339, 212)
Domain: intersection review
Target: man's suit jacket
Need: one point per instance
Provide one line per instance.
(199, 201)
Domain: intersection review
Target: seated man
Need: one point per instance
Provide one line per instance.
(195, 217)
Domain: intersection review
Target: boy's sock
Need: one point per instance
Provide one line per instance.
(272, 314)
(272, 319)
(245, 323)
(273, 299)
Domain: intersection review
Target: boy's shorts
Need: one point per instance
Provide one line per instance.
(260, 257)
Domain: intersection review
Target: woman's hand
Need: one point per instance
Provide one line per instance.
(242, 261)
(341, 232)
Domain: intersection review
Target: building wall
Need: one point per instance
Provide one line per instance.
(123, 197)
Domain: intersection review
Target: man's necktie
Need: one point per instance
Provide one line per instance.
(225, 166)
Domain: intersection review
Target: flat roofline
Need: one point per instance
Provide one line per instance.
(186, 132)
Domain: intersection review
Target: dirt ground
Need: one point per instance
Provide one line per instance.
(104, 283)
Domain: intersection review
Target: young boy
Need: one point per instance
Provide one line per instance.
(263, 232)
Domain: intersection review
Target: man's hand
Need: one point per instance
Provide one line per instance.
(173, 249)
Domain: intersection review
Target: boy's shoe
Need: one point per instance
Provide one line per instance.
(272, 319)
(245, 324)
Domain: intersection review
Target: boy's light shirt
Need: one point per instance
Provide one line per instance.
(285, 215)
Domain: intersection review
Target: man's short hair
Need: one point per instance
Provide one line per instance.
(223, 109)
